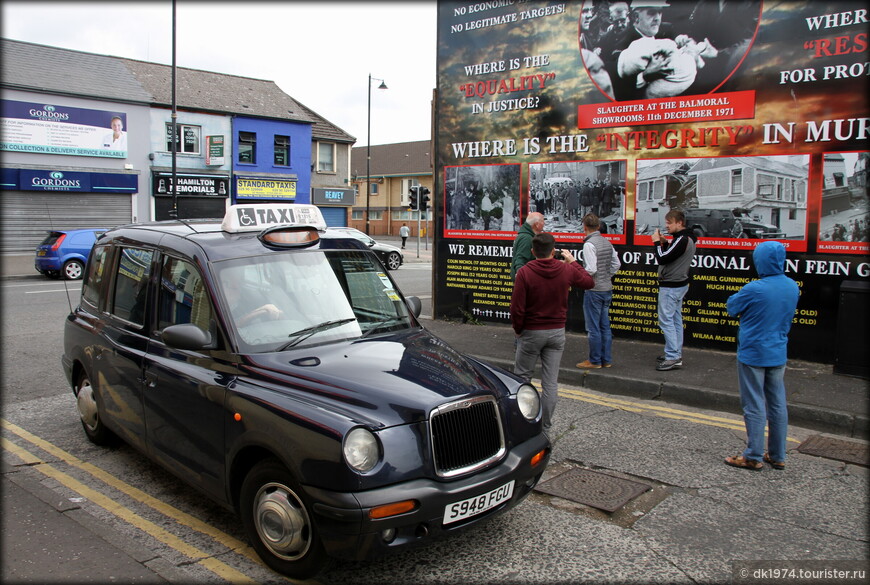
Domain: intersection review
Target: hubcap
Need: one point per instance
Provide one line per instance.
(282, 521)
(87, 405)
(73, 270)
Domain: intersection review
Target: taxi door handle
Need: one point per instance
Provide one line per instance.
(149, 380)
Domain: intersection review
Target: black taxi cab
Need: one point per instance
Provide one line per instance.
(278, 369)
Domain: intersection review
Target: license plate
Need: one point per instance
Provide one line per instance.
(478, 504)
(41, 253)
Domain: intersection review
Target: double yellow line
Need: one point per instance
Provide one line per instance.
(160, 534)
(662, 411)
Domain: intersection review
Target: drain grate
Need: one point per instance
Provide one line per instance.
(592, 488)
(839, 449)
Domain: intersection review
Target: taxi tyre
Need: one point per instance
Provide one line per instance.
(89, 413)
(394, 261)
(278, 523)
(73, 269)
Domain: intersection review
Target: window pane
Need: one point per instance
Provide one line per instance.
(325, 157)
(182, 296)
(131, 287)
(191, 139)
(282, 151)
(247, 147)
(94, 277)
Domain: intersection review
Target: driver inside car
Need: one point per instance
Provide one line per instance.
(248, 305)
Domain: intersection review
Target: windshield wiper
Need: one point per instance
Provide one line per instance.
(384, 323)
(304, 334)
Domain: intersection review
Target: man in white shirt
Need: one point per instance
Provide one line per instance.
(404, 232)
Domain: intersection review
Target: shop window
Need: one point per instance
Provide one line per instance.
(282, 151)
(248, 147)
(325, 157)
(186, 138)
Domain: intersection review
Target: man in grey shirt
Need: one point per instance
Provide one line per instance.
(601, 261)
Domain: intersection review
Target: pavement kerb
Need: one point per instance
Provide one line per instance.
(810, 417)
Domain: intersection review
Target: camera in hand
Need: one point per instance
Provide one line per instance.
(559, 255)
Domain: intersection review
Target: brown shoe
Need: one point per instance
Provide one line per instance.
(606, 365)
(586, 364)
(741, 461)
(775, 464)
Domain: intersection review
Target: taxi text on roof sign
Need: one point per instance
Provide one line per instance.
(253, 218)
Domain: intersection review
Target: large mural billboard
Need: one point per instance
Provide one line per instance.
(750, 116)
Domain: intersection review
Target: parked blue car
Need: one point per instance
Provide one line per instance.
(64, 252)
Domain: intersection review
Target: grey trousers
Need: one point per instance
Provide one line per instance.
(548, 344)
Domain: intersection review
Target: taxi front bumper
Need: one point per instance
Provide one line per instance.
(348, 533)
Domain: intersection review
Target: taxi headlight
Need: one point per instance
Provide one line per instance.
(361, 449)
(529, 402)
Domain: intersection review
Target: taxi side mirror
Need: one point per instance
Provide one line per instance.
(187, 336)
(415, 305)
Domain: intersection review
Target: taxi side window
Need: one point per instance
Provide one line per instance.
(183, 298)
(94, 277)
(131, 285)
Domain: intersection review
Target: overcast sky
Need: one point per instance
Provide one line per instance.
(320, 53)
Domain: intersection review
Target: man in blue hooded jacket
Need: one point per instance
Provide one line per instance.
(766, 308)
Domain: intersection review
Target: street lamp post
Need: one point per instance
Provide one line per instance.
(369, 147)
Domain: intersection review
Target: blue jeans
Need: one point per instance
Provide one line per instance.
(762, 395)
(548, 344)
(670, 310)
(596, 311)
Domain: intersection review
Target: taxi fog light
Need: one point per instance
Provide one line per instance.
(529, 402)
(393, 509)
(389, 535)
(361, 449)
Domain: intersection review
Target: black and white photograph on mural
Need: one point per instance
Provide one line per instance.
(564, 192)
(657, 49)
(482, 198)
(845, 214)
(759, 197)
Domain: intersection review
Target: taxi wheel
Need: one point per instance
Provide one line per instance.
(89, 412)
(394, 261)
(73, 270)
(278, 522)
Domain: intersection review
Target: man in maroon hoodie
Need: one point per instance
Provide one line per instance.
(539, 308)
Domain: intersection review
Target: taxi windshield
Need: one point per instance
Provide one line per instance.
(299, 298)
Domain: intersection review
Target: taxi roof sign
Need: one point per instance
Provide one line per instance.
(260, 216)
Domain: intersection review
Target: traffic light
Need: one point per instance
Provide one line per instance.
(424, 198)
(412, 198)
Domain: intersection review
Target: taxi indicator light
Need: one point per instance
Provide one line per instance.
(538, 457)
(290, 236)
(393, 509)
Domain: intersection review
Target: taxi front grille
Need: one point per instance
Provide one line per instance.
(466, 435)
